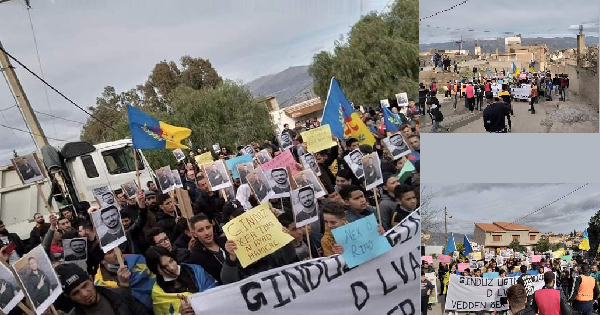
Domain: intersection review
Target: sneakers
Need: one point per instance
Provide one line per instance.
(533, 111)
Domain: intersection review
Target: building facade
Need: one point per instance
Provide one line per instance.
(501, 234)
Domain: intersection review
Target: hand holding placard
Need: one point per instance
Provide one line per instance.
(318, 139)
(361, 241)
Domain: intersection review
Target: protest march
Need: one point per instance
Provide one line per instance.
(527, 282)
(318, 214)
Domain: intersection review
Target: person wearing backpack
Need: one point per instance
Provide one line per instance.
(436, 115)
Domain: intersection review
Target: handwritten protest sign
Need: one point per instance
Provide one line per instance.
(536, 258)
(491, 275)
(203, 158)
(463, 266)
(283, 160)
(428, 259)
(231, 163)
(567, 257)
(477, 255)
(444, 259)
(361, 241)
(318, 139)
(257, 233)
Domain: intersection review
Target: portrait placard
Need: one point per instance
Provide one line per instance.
(108, 227)
(75, 249)
(29, 168)
(304, 206)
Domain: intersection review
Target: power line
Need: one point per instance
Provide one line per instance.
(57, 117)
(5, 109)
(439, 12)
(40, 64)
(553, 202)
(31, 133)
(53, 88)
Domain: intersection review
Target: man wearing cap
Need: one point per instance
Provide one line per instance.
(494, 115)
(88, 299)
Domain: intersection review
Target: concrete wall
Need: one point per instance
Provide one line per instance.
(430, 250)
(582, 81)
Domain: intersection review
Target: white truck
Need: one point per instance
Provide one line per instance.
(73, 172)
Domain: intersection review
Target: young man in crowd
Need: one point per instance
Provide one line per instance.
(355, 200)
(407, 202)
(168, 216)
(39, 230)
(157, 237)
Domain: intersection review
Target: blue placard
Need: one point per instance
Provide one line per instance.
(361, 241)
(231, 163)
(491, 275)
(516, 274)
(533, 272)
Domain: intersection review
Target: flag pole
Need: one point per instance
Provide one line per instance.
(137, 169)
(308, 241)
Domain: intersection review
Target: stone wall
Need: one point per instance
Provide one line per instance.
(582, 81)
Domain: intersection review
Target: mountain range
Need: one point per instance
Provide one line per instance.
(489, 46)
(290, 86)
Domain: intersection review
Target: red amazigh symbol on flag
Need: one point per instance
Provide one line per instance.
(158, 131)
(347, 120)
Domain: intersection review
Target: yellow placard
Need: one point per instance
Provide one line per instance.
(256, 233)
(558, 254)
(203, 158)
(318, 139)
(477, 255)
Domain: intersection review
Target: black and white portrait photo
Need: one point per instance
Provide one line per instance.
(279, 182)
(104, 196)
(75, 249)
(29, 168)
(243, 170)
(217, 175)
(372, 169)
(402, 99)
(39, 279)
(130, 189)
(304, 205)
(259, 185)
(309, 161)
(248, 150)
(10, 291)
(286, 140)
(165, 179)
(396, 145)
(176, 179)
(354, 160)
(109, 228)
(263, 156)
(179, 155)
(308, 178)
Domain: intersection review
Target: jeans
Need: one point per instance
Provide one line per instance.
(566, 92)
(441, 67)
(533, 101)
(557, 88)
(584, 307)
(435, 125)
(424, 304)
(455, 100)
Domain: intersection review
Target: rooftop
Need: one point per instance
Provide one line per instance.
(504, 227)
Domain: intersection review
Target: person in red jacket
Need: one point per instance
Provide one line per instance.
(550, 301)
(470, 96)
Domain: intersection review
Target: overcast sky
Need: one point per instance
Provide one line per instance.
(531, 18)
(87, 44)
(470, 203)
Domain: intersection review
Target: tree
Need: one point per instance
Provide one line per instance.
(554, 247)
(432, 216)
(460, 247)
(542, 246)
(377, 58)
(516, 246)
(594, 231)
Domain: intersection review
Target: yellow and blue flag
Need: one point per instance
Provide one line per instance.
(392, 121)
(148, 132)
(344, 122)
(585, 241)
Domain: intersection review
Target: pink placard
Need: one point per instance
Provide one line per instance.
(463, 266)
(536, 258)
(523, 76)
(285, 159)
(428, 259)
(444, 259)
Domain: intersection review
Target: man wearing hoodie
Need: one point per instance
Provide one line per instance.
(358, 208)
(436, 115)
(388, 203)
(168, 216)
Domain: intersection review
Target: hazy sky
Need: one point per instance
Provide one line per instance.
(470, 203)
(530, 18)
(87, 44)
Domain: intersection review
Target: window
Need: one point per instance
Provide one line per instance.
(120, 161)
(497, 238)
(89, 166)
(515, 237)
(532, 237)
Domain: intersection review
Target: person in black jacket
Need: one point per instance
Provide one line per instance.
(494, 115)
(208, 202)
(7, 238)
(435, 114)
(426, 290)
(168, 215)
(94, 252)
(135, 243)
(39, 230)
(324, 160)
(208, 251)
(157, 237)
(79, 288)
(517, 300)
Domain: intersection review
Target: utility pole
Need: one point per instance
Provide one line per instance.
(31, 119)
(460, 51)
(446, 223)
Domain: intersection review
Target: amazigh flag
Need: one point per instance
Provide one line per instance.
(344, 122)
(468, 247)
(585, 241)
(392, 121)
(450, 247)
(148, 132)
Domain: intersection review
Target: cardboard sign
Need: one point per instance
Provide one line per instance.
(536, 258)
(463, 266)
(567, 257)
(428, 259)
(283, 160)
(318, 139)
(203, 158)
(477, 255)
(257, 233)
(231, 163)
(444, 259)
(361, 241)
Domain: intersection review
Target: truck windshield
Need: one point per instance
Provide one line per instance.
(120, 161)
